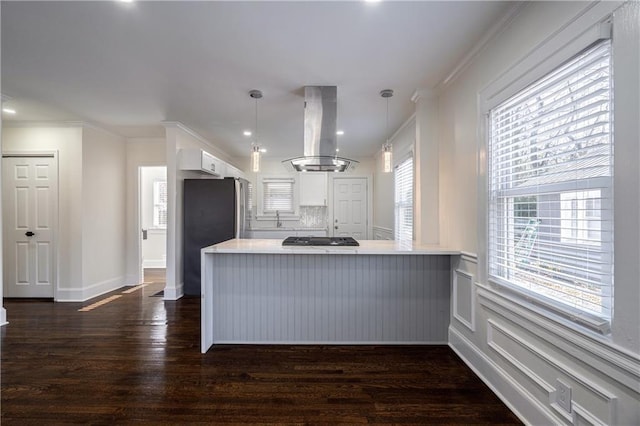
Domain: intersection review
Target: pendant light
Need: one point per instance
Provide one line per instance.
(386, 147)
(255, 146)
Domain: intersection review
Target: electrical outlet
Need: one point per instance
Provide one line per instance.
(563, 396)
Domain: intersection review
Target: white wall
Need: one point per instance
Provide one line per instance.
(521, 352)
(140, 152)
(67, 141)
(103, 212)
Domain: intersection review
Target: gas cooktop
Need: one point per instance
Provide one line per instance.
(320, 241)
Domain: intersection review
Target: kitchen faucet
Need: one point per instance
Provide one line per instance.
(278, 223)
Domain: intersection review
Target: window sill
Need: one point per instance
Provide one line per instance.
(550, 308)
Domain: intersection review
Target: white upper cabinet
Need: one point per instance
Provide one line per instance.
(313, 189)
(199, 160)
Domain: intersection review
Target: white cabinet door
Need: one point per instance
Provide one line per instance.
(313, 189)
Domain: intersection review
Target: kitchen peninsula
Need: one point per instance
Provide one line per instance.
(382, 292)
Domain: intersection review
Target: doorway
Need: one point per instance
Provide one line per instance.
(152, 208)
(350, 208)
(30, 209)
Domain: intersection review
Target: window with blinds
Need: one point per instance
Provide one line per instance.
(277, 195)
(160, 204)
(550, 189)
(403, 180)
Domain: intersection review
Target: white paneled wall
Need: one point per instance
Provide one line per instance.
(262, 298)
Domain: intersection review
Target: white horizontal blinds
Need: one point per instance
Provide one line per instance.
(278, 195)
(249, 199)
(160, 204)
(550, 174)
(403, 177)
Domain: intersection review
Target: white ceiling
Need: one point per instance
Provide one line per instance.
(128, 67)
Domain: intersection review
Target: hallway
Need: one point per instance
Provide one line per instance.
(135, 358)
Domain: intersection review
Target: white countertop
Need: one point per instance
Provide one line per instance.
(274, 246)
(288, 228)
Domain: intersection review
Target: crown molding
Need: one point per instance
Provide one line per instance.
(471, 56)
(54, 124)
(423, 94)
(60, 125)
(196, 135)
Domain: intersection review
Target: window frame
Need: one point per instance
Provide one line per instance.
(531, 68)
(408, 159)
(259, 192)
(158, 204)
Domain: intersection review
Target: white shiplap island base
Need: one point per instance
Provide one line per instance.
(382, 292)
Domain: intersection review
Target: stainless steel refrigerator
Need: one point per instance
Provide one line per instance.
(214, 210)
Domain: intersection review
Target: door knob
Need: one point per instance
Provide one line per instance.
(335, 227)
(144, 234)
(29, 234)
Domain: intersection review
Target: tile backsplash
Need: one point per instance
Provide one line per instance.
(313, 216)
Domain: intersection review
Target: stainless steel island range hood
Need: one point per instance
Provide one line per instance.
(320, 140)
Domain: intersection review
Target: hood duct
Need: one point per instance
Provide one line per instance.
(320, 140)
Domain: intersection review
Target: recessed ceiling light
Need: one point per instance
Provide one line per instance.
(9, 110)
(340, 132)
(126, 1)
(247, 133)
(263, 150)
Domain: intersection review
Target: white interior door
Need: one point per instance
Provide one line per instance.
(153, 216)
(350, 208)
(29, 206)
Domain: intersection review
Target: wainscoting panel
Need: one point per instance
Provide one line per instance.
(545, 371)
(380, 233)
(464, 299)
(262, 298)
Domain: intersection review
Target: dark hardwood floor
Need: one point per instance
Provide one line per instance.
(136, 359)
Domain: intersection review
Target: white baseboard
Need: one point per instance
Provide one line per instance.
(508, 390)
(171, 293)
(91, 291)
(131, 280)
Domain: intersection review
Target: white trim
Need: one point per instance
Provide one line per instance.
(555, 363)
(199, 138)
(520, 401)
(60, 124)
(382, 232)
(67, 294)
(53, 124)
(471, 56)
(469, 257)
(566, 42)
(174, 293)
(617, 363)
(470, 324)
